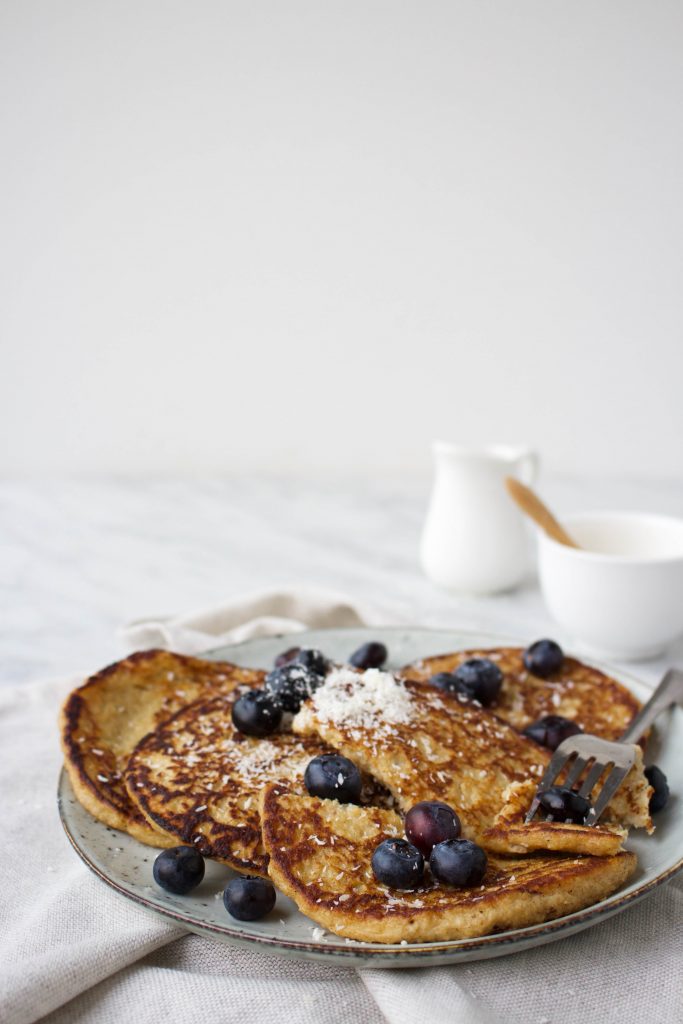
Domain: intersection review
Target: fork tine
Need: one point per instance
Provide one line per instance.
(592, 778)
(535, 803)
(555, 766)
(557, 762)
(612, 783)
(575, 771)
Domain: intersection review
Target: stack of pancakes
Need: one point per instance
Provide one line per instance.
(150, 748)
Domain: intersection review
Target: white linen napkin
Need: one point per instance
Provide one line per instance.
(266, 613)
(73, 951)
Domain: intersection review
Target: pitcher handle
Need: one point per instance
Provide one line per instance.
(528, 468)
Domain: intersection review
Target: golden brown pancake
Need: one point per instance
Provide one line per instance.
(424, 744)
(509, 834)
(598, 703)
(102, 721)
(198, 780)
(320, 855)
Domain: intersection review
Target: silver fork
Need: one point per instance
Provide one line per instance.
(619, 757)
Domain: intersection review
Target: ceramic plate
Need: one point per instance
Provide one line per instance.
(126, 865)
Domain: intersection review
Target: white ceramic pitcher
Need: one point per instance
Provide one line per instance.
(474, 537)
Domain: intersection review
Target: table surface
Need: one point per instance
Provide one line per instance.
(79, 558)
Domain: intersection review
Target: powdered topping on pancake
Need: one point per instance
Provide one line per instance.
(360, 701)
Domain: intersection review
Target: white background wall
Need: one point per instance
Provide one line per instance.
(309, 236)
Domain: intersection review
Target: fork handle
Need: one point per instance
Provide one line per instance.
(669, 691)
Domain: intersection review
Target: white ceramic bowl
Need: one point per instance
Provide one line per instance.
(620, 595)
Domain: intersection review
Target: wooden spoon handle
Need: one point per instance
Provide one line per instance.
(532, 506)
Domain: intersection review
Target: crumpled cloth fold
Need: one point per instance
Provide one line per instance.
(267, 613)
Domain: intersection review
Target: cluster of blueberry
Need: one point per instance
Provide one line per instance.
(432, 828)
(181, 869)
(433, 833)
(480, 679)
(477, 679)
(297, 674)
(543, 658)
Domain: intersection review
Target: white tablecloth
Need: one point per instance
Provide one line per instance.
(72, 951)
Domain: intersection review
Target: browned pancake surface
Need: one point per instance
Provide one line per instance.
(441, 748)
(509, 834)
(199, 780)
(598, 703)
(424, 744)
(320, 856)
(103, 720)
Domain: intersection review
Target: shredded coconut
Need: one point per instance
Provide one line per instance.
(253, 765)
(368, 699)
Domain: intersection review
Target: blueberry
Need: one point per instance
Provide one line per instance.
(256, 713)
(249, 898)
(179, 870)
(333, 777)
(398, 864)
(479, 679)
(431, 822)
(458, 862)
(550, 730)
(657, 779)
(292, 684)
(445, 681)
(543, 658)
(372, 655)
(286, 656)
(564, 804)
(312, 659)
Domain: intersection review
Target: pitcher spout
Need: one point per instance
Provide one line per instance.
(506, 456)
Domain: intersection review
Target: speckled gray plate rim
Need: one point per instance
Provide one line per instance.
(126, 865)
